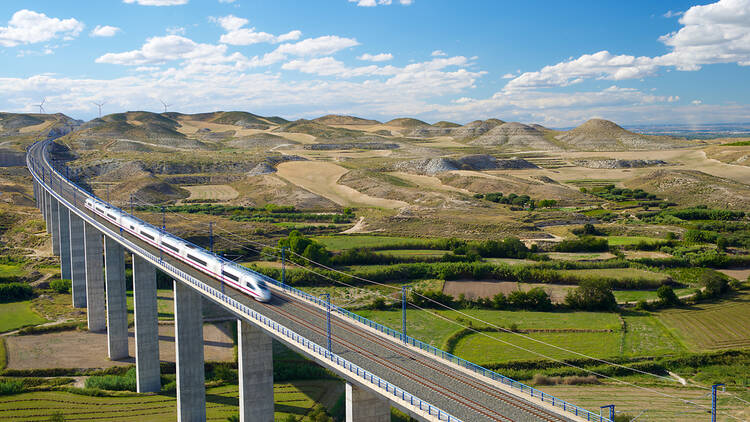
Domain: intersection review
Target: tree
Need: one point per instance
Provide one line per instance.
(592, 295)
(667, 296)
(715, 283)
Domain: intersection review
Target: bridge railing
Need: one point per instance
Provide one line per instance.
(523, 388)
(312, 347)
(530, 391)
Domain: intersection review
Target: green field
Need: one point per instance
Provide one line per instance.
(617, 273)
(629, 240)
(164, 302)
(414, 252)
(645, 335)
(16, 315)
(712, 326)
(295, 398)
(12, 270)
(623, 296)
(339, 243)
(425, 326)
(488, 348)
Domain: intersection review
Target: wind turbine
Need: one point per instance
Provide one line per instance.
(41, 106)
(100, 105)
(165, 105)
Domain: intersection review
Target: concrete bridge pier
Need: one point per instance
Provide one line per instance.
(94, 263)
(77, 261)
(64, 230)
(255, 365)
(47, 211)
(146, 326)
(191, 381)
(117, 311)
(365, 406)
(55, 220)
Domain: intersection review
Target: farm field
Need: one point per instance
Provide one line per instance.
(212, 192)
(296, 399)
(581, 256)
(495, 347)
(655, 405)
(425, 326)
(712, 326)
(322, 178)
(338, 243)
(646, 335)
(629, 240)
(16, 315)
(617, 273)
(624, 296)
(488, 289)
(414, 252)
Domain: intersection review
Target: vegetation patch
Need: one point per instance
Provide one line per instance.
(17, 315)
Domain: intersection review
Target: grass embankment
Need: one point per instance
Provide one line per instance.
(17, 315)
(296, 399)
(164, 302)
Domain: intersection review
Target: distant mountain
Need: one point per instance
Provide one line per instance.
(517, 137)
(335, 119)
(406, 123)
(21, 126)
(603, 135)
(444, 124)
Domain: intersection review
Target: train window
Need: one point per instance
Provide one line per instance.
(249, 286)
(99, 209)
(170, 246)
(132, 227)
(198, 260)
(147, 235)
(230, 276)
(111, 216)
(189, 246)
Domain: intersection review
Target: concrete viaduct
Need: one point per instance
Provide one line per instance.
(381, 367)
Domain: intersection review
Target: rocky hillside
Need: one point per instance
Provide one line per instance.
(691, 187)
(432, 166)
(515, 136)
(603, 135)
(335, 119)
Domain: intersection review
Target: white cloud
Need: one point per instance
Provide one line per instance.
(373, 3)
(29, 27)
(321, 46)
(176, 30)
(671, 14)
(157, 2)
(382, 57)
(714, 33)
(438, 53)
(509, 76)
(601, 65)
(158, 50)
(237, 34)
(105, 31)
(226, 1)
(696, 102)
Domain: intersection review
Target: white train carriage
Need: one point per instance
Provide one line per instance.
(196, 257)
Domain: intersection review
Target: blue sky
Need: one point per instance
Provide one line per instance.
(550, 62)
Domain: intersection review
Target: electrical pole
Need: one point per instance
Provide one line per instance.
(211, 235)
(404, 289)
(328, 318)
(283, 265)
(713, 400)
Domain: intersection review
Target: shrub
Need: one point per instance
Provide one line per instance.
(715, 284)
(592, 295)
(13, 292)
(60, 285)
(11, 387)
(57, 417)
(584, 244)
(125, 382)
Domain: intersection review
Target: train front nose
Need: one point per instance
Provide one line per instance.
(265, 295)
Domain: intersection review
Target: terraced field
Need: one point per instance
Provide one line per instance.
(295, 399)
(712, 326)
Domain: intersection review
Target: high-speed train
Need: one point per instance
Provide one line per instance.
(234, 275)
